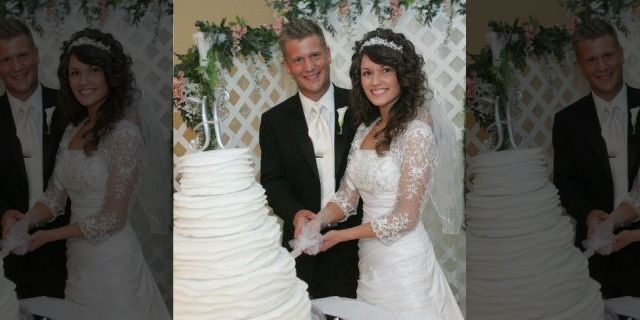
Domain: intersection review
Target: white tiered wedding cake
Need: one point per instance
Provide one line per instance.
(8, 301)
(521, 262)
(228, 262)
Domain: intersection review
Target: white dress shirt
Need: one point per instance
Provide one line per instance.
(326, 164)
(29, 131)
(616, 143)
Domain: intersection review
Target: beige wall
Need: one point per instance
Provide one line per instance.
(480, 12)
(187, 12)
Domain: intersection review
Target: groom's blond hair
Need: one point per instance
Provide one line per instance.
(592, 29)
(298, 29)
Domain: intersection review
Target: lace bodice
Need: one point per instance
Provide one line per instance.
(400, 179)
(102, 184)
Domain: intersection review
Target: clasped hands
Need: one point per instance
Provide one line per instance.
(308, 238)
(15, 234)
(600, 236)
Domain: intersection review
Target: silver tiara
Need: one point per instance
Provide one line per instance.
(377, 41)
(85, 41)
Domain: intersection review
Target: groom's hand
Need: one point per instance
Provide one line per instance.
(594, 218)
(300, 219)
(9, 218)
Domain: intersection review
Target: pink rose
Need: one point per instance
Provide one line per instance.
(396, 11)
(277, 25)
(570, 25)
(178, 89)
(237, 33)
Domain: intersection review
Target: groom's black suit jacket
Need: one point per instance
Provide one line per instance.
(42, 272)
(290, 177)
(582, 172)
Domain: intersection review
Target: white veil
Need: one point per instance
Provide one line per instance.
(152, 205)
(447, 194)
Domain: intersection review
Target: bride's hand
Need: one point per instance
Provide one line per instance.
(624, 238)
(9, 218)
(39, 238)
(331, 238)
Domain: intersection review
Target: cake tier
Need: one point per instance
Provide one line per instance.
(216, 172)
(219, 215)
(228, 261)
(8, 300)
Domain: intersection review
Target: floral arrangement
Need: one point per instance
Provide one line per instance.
(199, 72)
(485, 78)
(490, 73)
(92, 10)
(350, 10)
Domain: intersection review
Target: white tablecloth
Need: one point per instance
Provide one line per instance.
(57, 309)
(627, 306)
(350, 309)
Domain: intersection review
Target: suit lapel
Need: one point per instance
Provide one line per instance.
(342, 143)
(590, 121)
(49, 142)
(633, 137)
(299, 130)
(8, 132)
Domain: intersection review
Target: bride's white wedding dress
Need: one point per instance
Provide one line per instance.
(106, 269)
(398, 268)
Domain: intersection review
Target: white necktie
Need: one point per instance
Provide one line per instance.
(31, 142)
(322, 144)
(29, 138)
(319, 132)
(615, 132)
(616, 149)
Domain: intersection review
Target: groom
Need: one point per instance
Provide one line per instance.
(597, 152)
(29, 140)
(304, 155)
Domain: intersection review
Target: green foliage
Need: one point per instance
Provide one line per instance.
(27, 9)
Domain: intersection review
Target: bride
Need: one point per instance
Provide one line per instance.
(390, 167)
(97, 169)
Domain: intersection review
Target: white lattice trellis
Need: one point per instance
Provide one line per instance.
(150, 46)
(445, 68)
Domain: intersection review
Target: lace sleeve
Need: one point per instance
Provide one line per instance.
(122, 148)
(633, 198)
(347, 196)
(417, 151)
(55, 197)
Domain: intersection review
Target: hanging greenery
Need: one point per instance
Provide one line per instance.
(386, 11)
(610, 10)
(93, 11)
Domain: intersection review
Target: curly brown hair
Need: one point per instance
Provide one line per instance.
(408, 67)
(100, 49)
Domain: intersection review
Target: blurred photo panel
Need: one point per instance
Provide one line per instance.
(551, 160)
(85, 193)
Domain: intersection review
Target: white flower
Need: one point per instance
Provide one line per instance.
(203, 42)
(341, 112)
(634, 118)
(49, 115)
